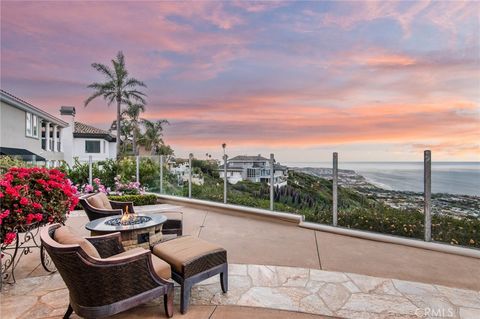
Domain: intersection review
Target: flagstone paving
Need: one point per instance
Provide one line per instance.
(293, 289)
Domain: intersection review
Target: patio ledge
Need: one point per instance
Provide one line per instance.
(300, 221)
(288, 217)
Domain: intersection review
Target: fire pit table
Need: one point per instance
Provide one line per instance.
(138, 231)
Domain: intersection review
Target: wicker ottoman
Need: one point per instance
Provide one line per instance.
(193, 260)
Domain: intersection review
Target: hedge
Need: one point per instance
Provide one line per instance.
(138, 200)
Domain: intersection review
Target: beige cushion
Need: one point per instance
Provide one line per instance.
(161, 268)
(100, 201)
(66, 236)
(180, 251)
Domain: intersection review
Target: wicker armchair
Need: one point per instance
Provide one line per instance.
(98, 206)
(115, 282)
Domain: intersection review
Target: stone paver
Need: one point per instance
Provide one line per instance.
(282, 288)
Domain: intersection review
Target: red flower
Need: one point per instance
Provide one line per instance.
(24, 201)
(9, 238)
(38, 217)
(30, 218)
(38, 193)
(37, 206)
(3, 215)
(1, 195)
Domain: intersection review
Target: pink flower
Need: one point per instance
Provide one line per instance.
(38, 217)
(24, 201)
(38, 193)
(88, 188)
(37, 206)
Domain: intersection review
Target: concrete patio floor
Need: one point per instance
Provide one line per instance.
(253, 240)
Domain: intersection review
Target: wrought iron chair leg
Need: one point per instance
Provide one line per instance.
(69, 312)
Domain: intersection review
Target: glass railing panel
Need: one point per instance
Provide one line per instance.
(206, 181)
(248, 193)
(456, 203)
(306, 190)
(175, 176)
(383, 197)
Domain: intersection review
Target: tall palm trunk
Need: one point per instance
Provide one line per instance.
(134, 143)
(119, 102)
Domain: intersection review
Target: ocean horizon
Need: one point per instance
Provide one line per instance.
(460, 178)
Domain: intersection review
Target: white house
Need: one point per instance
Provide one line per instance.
(254, 168)
(82, 140)
(30, 133)
(182, 172)
(36, 136)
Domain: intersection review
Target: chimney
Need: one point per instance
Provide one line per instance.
(67, 113)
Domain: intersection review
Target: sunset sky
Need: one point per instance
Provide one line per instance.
(375, 81)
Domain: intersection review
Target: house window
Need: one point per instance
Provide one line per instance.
(92, 146)
(28, 124)
(31, 125)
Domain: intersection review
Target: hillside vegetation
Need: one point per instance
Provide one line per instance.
(312, 197)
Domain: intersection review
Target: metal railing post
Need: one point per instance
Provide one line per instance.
(225, 157)
(272, 178)
(137, 169)
(161, 174)
(335, 189)
(427, 187)
(90, 178)
(190, 175)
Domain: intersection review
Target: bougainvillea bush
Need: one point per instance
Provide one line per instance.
(33, 195)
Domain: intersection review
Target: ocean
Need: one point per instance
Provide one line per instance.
(447, 177)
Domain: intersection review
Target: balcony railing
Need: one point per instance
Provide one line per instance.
(329, 196)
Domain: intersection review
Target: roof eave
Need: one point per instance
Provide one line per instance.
(11, 100)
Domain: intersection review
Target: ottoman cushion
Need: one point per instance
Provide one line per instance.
(161, 268)
(184, 251)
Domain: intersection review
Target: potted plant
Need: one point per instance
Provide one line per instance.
(32, 197)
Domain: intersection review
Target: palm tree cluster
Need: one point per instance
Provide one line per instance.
(124, 90)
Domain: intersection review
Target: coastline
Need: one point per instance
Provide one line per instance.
(456, 205)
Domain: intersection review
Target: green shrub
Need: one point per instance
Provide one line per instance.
(138, 200)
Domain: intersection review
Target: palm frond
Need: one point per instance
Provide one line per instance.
(92, 97)
(105, 70)
(132, 82)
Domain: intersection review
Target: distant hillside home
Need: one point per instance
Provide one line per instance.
(255, 169)
(85, 140)
(30, 133)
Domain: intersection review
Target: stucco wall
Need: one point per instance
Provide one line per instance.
(105, 150)
(12, 133)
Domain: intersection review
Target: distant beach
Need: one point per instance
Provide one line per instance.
(462, 178)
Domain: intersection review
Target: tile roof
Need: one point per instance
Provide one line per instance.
(83, 128)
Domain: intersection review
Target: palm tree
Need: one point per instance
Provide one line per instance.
(152, 138)
(133, 112)
(117, 88)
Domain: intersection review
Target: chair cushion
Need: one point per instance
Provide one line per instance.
(100, 201)
(66, 236)
(161, 268)
(180, 251)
